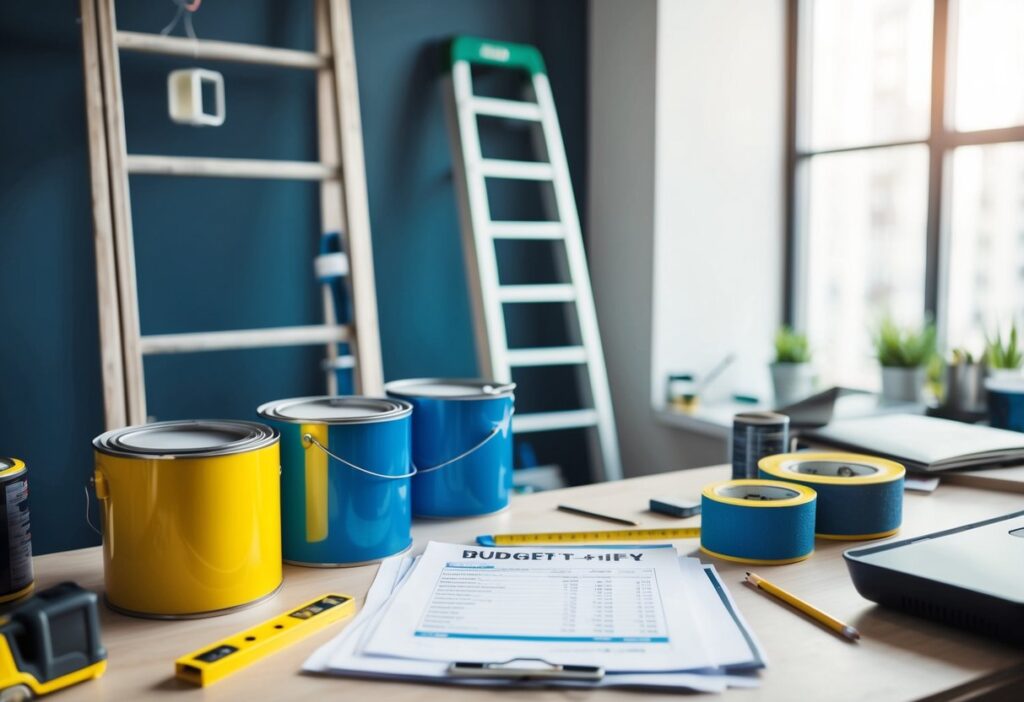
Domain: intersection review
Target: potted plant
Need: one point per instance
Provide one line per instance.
(965, 383)
(903, 354)
(792, 373)
(1003, 359)
(1005, 384)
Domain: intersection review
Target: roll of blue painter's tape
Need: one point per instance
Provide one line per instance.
(764, 522)
(859, 497)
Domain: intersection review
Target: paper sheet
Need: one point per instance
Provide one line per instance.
(618, 608)
(342, 655)
(384, 584)
(731, 647)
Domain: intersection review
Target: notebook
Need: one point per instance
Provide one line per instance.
(923, 444)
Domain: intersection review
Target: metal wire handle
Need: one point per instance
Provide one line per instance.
(88, 504)
(494, 432)
(309, 439)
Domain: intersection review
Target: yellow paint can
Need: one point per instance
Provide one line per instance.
(191, 516)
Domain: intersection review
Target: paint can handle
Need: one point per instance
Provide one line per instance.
(88, 502)
(309, 440)
(498, 428)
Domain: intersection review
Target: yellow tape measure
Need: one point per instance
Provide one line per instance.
(579, 537)
(219, 660)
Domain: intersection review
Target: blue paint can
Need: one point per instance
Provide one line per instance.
(461, 445)
(1006, 402)
(345, 472)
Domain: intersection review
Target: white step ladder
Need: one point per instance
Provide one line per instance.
(343, 202)
(480, 233)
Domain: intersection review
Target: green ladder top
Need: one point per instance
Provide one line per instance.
(497, 53)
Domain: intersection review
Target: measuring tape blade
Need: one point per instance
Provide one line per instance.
(579, 537)
(210, 663)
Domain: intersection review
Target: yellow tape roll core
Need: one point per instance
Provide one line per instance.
(756, 561)
(877, 470)
(714, 491)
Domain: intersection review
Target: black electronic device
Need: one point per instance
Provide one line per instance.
(50, 641)
(970, 577)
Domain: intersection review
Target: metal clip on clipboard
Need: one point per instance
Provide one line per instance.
(526, 669)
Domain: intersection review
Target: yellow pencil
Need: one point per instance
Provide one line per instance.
(810, 610)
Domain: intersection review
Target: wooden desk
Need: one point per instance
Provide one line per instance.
(899, 658)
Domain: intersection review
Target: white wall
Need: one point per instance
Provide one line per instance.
(620, 236)
(686, 195)
(719, 188)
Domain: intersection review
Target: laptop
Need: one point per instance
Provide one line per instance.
(971, 577)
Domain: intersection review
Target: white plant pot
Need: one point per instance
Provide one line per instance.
(900, 384)
(792, 382)
(1011, 374)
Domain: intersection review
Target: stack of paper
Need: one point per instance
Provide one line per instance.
(924, 443)
(645, 615)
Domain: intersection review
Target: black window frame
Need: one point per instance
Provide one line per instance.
(941, 140)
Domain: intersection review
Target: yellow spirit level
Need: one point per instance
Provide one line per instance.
(219, 660)
(49, 642)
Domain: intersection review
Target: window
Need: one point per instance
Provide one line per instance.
(906, 191)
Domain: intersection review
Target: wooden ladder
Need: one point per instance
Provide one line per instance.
(343, 201)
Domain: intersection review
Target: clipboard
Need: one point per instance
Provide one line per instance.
(343, 657)
(526, 669)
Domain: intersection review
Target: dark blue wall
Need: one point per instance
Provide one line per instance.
(216, 254)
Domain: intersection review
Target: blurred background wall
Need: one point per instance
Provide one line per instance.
(220, 254)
